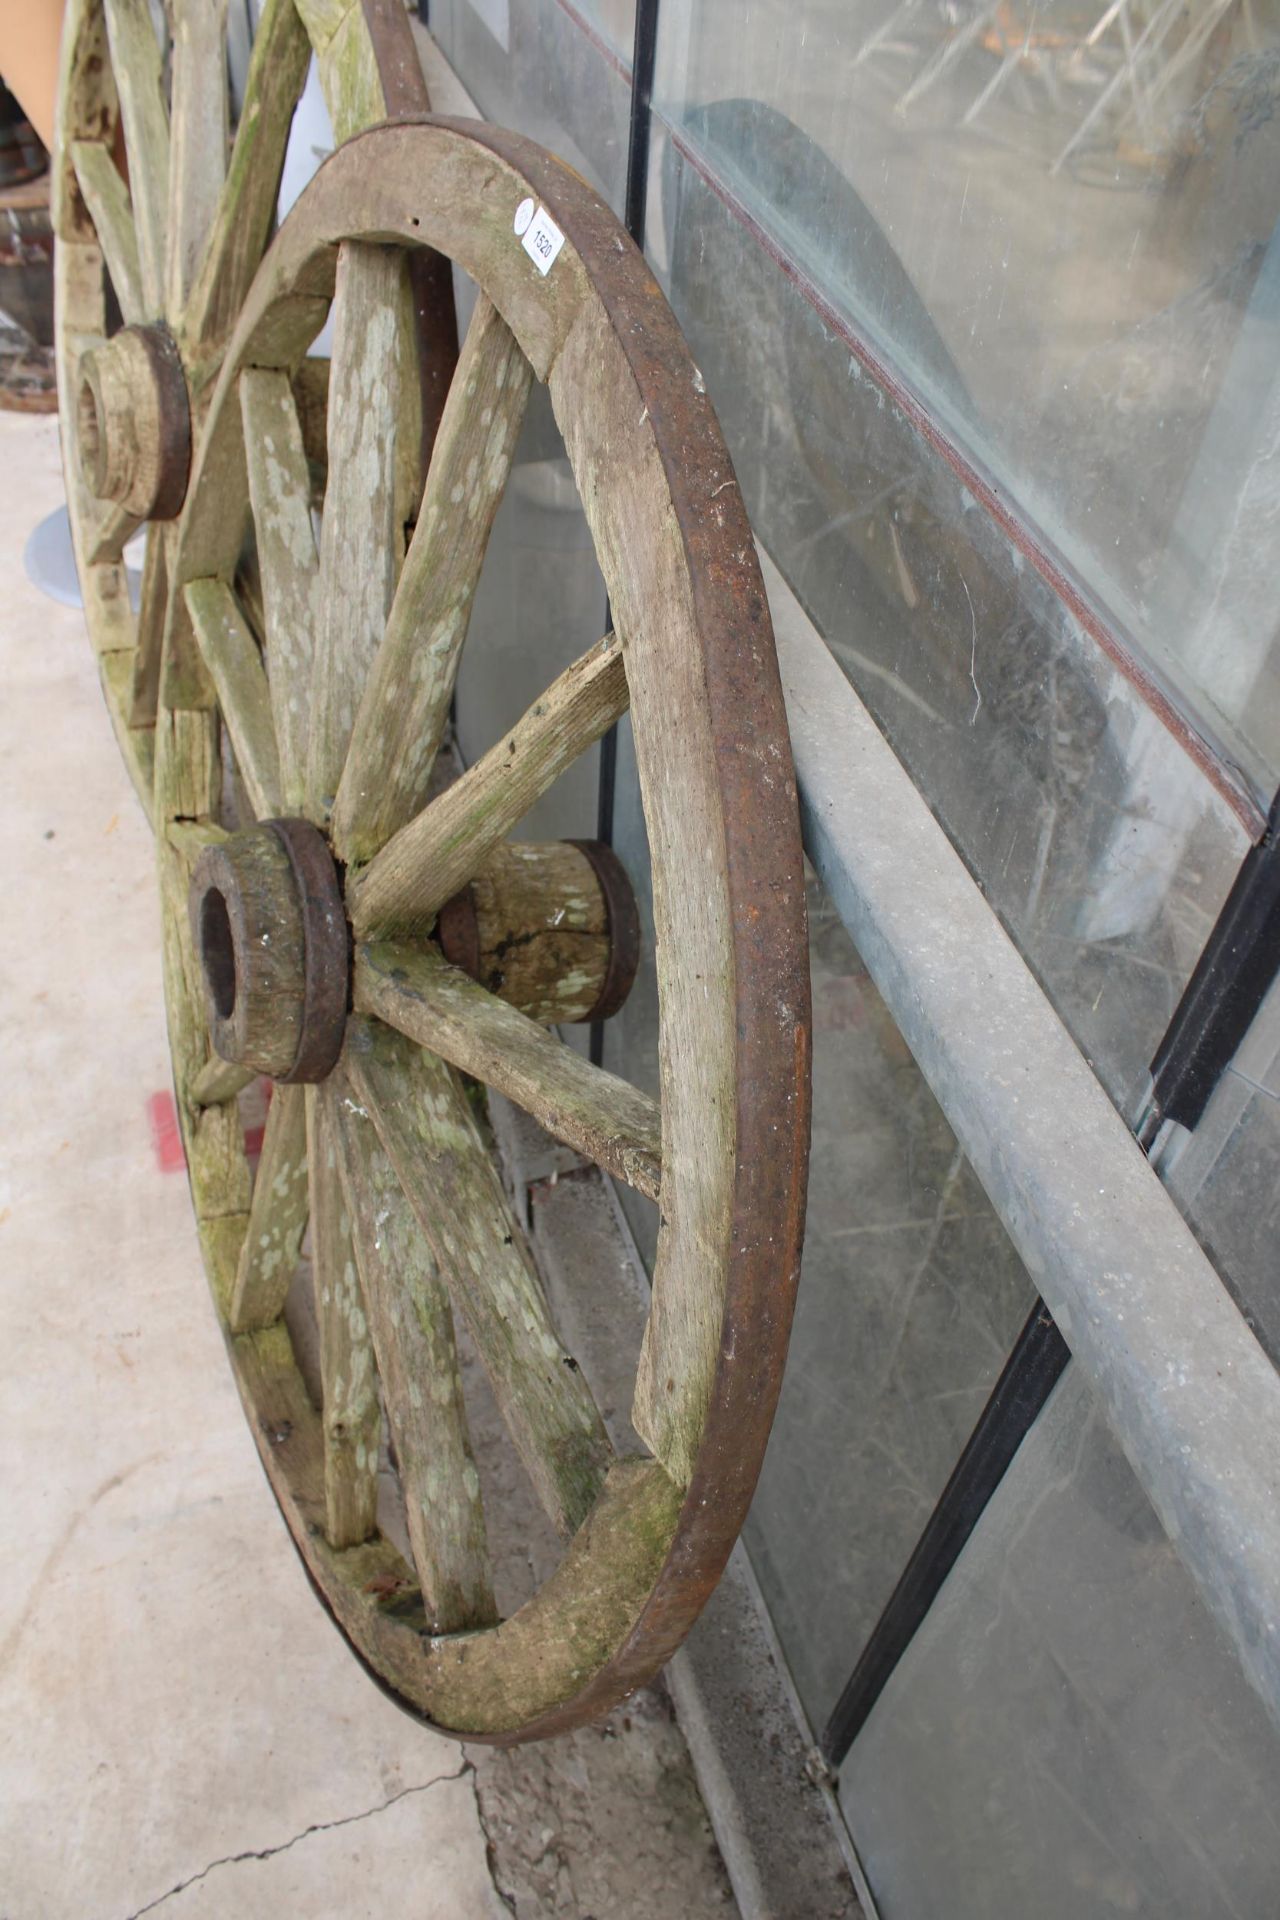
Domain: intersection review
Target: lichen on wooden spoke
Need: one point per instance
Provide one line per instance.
(359, 547)
(139, 77)
(277, 1216)
(107, 199)
(411, 1324)
(406, 700)
(425, 1126)
(415, 991)
(424, 864)
(235, 667)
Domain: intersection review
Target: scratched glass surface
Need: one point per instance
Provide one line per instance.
(1058, 222)
(532, 67)
(1102, 846)
(1069, 1735)
(911, 1296)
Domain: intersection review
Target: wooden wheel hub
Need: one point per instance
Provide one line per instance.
(133, 422)
(268, 929)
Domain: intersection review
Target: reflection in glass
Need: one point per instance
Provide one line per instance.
(1058, 221)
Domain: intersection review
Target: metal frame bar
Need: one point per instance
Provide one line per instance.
(1190, 1395)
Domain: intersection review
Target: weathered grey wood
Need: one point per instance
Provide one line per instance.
(241, 224)
(136, 64)
(406, 699)
(107, 198)
(280, 492)
(358, 544)
(413, 990)
(351, 1416)
(425, 1125)
(218, 1080)
(277, 1216)
(412, 1327)
(424, 864)
(197, 141)
(87, 110)
(235, 668)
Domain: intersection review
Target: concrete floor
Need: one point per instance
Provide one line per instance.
(183, 1727)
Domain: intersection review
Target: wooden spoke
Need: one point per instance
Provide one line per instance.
(412, 1328)
(217, 1080)
(406, 700)
(416, 992)
(351, 1415)
(198, 143)
(238, 231)
(277, 1216)
(152, 609)
(235, 667)
(107, 198)
(280, 491)
(425, 1125)
(425, 863)
(359, 545)
(136, 63)
(108, 532)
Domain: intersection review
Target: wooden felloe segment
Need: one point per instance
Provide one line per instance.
(280, 491)
(277, 1216)
(412, 1328)
(198, 139)
(426, 862)
(426, 1128)
(413, 990)
(235, 667)
(541, 930)
(359, 545)
(406, 700)
(351, 1415)
(241, 224)
(135, 62)
(107, 198)
(187, 787)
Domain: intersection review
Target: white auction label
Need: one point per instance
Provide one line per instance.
(542, 240)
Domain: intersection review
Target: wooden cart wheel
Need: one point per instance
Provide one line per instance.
(305, 944)
(161, 220)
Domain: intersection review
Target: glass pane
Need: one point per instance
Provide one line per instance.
(1100, 843)
(551, 71)
(1059, 224)
(910, 1299)
(1068, 1735)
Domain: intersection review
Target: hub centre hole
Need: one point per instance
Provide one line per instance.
(218, 952)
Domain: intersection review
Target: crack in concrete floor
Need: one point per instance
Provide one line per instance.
(318, 1826)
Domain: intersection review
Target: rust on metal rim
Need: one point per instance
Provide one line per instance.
(622, 920)
(326, 950)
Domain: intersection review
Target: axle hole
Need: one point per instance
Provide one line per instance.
(218, 953)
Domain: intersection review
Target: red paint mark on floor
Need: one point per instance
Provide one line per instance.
(166, 1135)
(166, 1138)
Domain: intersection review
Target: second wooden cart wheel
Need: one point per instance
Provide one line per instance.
(310, 942)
